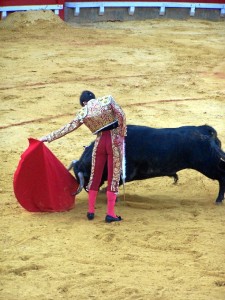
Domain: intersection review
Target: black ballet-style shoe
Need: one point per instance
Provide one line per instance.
(110, 219)
(90, 216)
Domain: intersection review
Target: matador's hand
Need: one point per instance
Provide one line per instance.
(43, 139)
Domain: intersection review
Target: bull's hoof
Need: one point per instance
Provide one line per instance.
(90, 216)
(219, 202)
(110, 219)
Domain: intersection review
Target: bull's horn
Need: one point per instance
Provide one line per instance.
(71, 165)
(81, 179)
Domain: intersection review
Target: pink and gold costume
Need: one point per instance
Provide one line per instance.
(100, 115)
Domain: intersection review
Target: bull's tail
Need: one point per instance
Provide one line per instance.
(212, 133)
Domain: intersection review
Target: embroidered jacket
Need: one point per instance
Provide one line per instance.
(96, 115)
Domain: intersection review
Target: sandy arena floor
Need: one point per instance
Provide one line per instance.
(164, 73)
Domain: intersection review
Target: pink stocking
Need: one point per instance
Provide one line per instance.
(92, 195)
(111, 200)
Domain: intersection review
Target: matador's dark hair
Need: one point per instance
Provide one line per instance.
(86, 96)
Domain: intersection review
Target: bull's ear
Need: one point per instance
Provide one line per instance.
(71, 166)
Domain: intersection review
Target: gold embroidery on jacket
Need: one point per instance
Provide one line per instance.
(96, 115)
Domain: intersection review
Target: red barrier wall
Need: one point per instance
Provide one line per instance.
(187, 1)
(30, 2)
(34, 2)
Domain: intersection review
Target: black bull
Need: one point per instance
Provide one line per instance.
(154, 152)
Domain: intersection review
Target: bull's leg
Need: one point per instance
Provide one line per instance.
(221, 191)
(175, 177)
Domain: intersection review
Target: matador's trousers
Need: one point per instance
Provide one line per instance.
(104, 154)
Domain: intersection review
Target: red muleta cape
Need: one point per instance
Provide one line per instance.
(41, 182)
